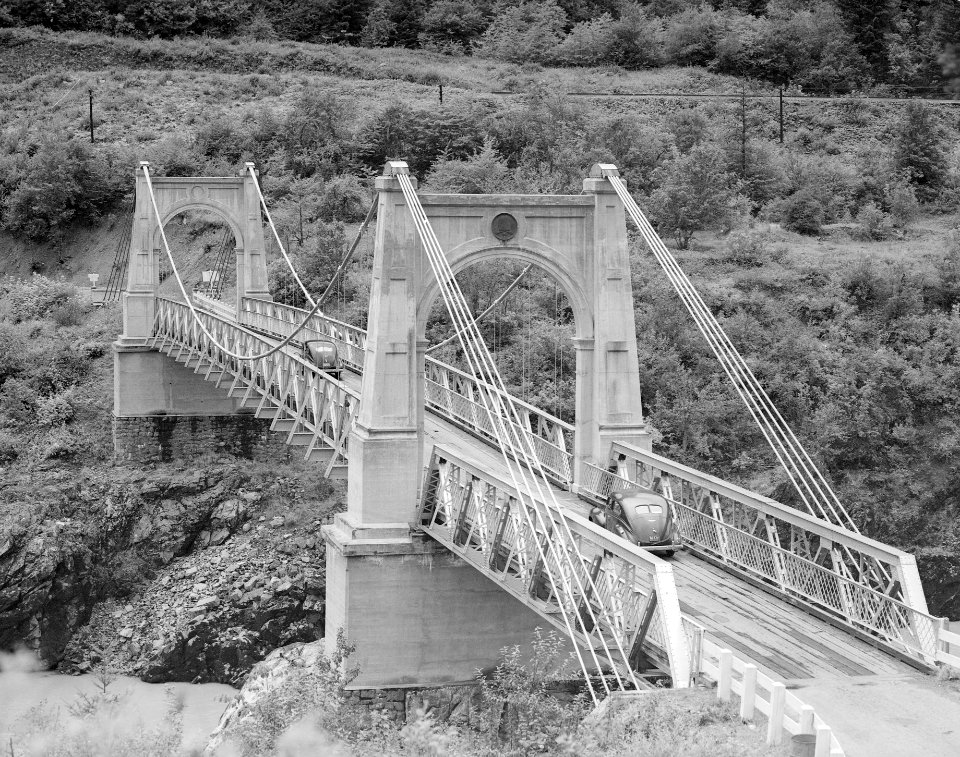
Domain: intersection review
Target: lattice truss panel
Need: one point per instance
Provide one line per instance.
(854, 580)
(448, 392)
(633, 598)
(314, 410)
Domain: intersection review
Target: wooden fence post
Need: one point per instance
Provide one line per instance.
(806, 719)
(725, 684)
(778, 694)
(824, 741)
(749, 700)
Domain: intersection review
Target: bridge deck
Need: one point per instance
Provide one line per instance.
(782, 640)
(875, 703)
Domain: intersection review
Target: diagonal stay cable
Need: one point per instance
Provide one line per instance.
(775, 424)
(483, 366)
(434, 255)
(799, 459)
(525, 453)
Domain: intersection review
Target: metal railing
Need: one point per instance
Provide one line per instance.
(316, 411)
(867, 586)
(479, 517)
(450, 393)
(803, 558)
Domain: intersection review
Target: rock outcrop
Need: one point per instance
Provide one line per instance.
(199, 572)
(209, 616)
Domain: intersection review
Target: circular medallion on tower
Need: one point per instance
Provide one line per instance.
(197, 192)
(504, 227)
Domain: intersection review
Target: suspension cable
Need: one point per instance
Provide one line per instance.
(486, 311)
(193, 310)
(492, 392)
(784, 443)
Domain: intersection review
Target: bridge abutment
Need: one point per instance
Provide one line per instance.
(418, 614)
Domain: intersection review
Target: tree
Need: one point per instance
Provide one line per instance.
(637, 38)
(695, 191)
(869, 22)
(61, 184)
(454, 22)
(525, 32)
(918, 151)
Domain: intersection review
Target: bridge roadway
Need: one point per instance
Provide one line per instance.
(876, 704)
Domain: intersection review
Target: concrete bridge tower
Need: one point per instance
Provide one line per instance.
(417, 613)
(146, 383)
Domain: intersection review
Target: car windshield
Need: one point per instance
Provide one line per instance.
(649, 510)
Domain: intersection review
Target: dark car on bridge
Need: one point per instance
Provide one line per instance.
(323, 354)
(640, 516)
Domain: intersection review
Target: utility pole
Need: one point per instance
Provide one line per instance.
(441, 93)
(743, 131)
(781, 115)
(91, 116)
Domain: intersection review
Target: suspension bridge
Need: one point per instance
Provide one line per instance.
(466, 525)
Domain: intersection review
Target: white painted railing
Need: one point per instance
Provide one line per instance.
(633, 596)
(448, 392)
(832, 571)
(315, 411)
(758, 692)
(948, 646)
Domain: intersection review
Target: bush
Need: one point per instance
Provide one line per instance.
(523, 33)
(637, 38)
(56, 410)
(803, 213)
(918, 151)
(480, 174)
(691, 37)
(9, 447)
(589, 43)
(875, 225)
(39, 297)
(695, 191)
(902, 203)
(752, 248)
(62, 183)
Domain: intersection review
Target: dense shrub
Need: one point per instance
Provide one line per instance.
(803, 213)
(419, 136)
(482, 173)
(525, 32)
(751, 248)
(695, 192)
(637, 38)
(452, 24)
(874, 223)
(919, 151)
(60, 184)
(690, 38)
(37, 297)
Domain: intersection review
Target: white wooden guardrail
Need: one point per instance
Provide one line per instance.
(838, 574)
(758, 693)
(948, 647)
